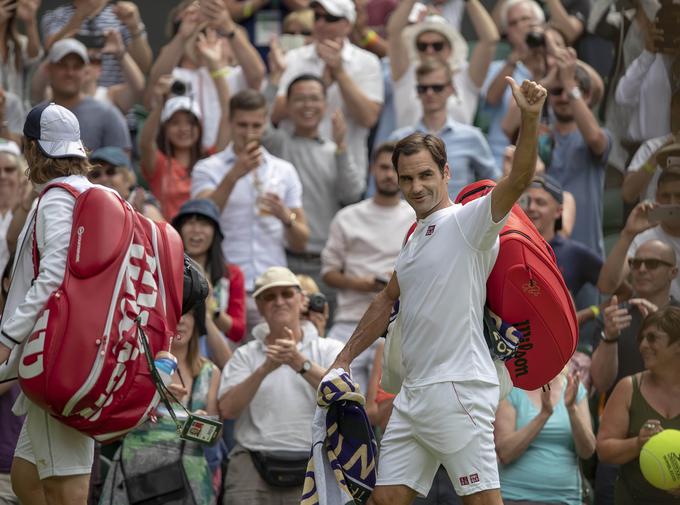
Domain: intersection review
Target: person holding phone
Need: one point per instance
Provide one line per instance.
(259, 196)
(659, 220)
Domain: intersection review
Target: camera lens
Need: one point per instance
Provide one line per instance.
(178, 88)
(535, 39)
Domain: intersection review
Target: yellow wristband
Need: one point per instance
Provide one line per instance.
(222, 72)
(649, 168)
(595, 310)
(370, 38)
(247, 9)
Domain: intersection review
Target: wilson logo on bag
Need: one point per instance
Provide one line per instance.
(83, 361)
(527, 290)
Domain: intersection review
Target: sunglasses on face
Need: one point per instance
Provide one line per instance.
(305, 33)
(649, 263)
(96, 174)
(286, 294)
(436, 88)
(649, 336)
(436, 46)
(328, 18)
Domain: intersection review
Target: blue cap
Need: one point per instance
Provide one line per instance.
(199, 207)
(113, 156)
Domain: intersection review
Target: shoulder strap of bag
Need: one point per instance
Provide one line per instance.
(36, 253)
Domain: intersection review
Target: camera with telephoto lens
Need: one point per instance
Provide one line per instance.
(180, 88)
(195, 285)
(317, 302)
(535, 40)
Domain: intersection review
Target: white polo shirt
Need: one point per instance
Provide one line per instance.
(442, 273)
(279, 417)
(364, 69)
(252, 241)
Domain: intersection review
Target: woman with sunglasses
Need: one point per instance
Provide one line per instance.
(641, 406)
(112, 168)
(198, 223)
(171, 140)
(434, 37)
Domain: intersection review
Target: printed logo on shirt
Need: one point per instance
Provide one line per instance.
(464, 481)
(474, 478)
(430, 230)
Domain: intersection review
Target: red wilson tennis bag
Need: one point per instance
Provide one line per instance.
(526, 289)
(83, 361)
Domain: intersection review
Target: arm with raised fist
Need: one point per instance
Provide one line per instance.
(530, 98)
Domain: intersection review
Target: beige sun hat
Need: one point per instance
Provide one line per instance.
(668, 158)
(438, 24)
(275, 277)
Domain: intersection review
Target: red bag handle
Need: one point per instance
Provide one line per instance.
(36, 254)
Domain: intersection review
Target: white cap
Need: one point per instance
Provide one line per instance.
(57, 131)
(275, 277)
(64, 47)
(341, 8)
(178, 103)
(9, 147)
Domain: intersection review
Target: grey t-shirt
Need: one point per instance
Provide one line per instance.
(101, 125)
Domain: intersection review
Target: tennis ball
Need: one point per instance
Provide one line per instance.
(660, 460)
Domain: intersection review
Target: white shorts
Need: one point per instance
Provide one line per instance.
(445, 423)
(54, 448)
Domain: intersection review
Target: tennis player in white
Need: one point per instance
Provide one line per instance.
(445, 410)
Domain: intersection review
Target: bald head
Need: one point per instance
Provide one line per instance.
(657, 249)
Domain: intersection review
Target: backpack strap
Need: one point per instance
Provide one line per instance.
(409, 233)
(36, 254)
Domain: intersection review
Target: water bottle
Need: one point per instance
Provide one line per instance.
(166, 364)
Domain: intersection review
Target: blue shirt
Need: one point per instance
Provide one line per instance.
(491, 116)
(581, 173)
(579, 264)
(467, 151)
(548, 471)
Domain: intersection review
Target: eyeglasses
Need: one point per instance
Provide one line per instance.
(436, 46)
(650, 336)
(515, 22)
(649, 263)
(436, 88)
(328, 18)
(286, 294)
(305, 33)
(96, 173)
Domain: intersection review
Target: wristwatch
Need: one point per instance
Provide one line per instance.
(606, 340)
(575, 93)
(306, 367)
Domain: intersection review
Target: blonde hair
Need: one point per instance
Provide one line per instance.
(307, 284)
(304, 16)
(42, 169)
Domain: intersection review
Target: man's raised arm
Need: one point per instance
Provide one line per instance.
(529, 98)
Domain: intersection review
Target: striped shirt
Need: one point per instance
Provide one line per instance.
(54, 20)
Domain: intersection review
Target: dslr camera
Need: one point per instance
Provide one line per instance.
(180, 88)
(535, 40)
(317, 302)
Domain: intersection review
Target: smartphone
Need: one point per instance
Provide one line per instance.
(665, 214)
(91, 40)
(288, 41)
(416, 11)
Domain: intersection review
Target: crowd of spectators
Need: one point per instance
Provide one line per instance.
(263, 132)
